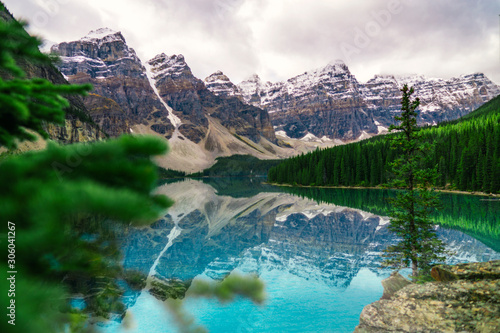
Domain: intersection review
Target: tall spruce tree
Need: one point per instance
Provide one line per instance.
(419, 246)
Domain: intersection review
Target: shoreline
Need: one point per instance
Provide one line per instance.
(493, 196)
(474, 193)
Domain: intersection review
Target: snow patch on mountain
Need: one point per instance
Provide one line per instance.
(364, 136)
(282, 134)
(99, 60)
(102, 35)
(164, 65)
(151, 78)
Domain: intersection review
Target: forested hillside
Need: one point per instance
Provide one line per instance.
(466, 153)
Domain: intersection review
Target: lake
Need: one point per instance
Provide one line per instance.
(318, 252)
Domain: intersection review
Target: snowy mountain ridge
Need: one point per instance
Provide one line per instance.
(100, 54)
(165, 65)
(102, 35)
(315, 102)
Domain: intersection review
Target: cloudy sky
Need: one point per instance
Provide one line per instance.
(279, 39)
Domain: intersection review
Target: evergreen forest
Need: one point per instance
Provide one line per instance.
(466, 153)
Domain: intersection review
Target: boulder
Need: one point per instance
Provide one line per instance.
(392, 284)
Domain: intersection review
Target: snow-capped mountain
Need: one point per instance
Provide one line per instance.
(163, 97)
(122, 95)
(440, 100)
(101, 54)
(330, 101)
(195, 105)
(326, 102)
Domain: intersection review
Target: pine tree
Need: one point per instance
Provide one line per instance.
(419, 246)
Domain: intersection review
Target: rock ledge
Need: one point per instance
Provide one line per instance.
(465, 299)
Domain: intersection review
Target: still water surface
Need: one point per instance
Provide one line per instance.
(318, 253)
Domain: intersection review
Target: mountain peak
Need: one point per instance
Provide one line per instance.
(218, 75)
(163, 60)
(101, 33)
(100, 54)
(337, 62)
(163, 65)
(220, 84)
(254, 78)
(336, 66)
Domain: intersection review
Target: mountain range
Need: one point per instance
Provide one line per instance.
(205, 119)
(330, 103)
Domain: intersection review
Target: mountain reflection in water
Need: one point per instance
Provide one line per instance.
(320, 262)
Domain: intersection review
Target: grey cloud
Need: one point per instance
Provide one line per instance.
(281, 38)
(58, 20)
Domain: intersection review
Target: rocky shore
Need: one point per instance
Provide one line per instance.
(464, 298)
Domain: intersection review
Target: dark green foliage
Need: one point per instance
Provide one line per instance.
(466, 151)
(169, 173)
(57, 205)
(60, 200)
(26, 104)
(238, 165)
(418, 245)
(337, 166)
(232, 285)
(239, 187)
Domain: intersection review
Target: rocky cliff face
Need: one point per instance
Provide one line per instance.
(80, 125)
(440, 100)
(103, 59)
(324, 102)
(330, 102)
(193, 102)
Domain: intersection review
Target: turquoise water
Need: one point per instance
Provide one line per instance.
(294, 305)
(319, 261)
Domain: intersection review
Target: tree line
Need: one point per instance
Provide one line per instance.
(465, 152)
